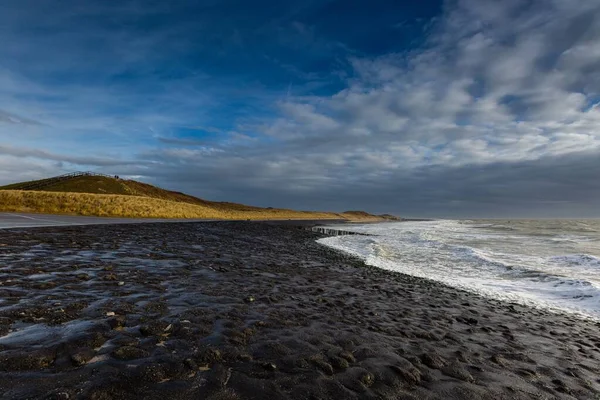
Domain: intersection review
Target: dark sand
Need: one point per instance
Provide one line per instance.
(234, 310)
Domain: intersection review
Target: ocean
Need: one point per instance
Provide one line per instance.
(552, 264)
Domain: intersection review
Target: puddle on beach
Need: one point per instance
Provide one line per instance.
(37, 335)
(56, 291)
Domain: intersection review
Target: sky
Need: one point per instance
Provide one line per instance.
(453, 109)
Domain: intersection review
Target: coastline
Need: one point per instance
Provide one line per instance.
(237, 310)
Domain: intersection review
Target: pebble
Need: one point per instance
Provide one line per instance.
(82, 356)
(433, 360)
(269, 366)
(367, 379)
(117, 322)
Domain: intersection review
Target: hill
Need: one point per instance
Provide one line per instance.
(86, 193)
(87, 182)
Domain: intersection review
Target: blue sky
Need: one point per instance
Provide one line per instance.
(431, 108)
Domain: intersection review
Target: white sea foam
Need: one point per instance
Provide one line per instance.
(551, 264)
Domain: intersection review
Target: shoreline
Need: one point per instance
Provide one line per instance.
(17, 220)
(237, 310)
(588, 314)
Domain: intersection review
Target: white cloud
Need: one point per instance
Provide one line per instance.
(491, 88)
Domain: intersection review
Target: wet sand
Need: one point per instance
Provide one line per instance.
(236, 310)
(27, 220)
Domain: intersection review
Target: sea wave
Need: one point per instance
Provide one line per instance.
(526, 268)
(585, 260)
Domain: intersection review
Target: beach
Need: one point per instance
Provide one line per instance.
(250, 310)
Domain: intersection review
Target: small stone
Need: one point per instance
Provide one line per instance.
(323, 366)
(110, 314)
(346, 355)
(339, 362)
(209, 355)
(190, 363)
(367, 379)
(117, 322)
(269, 366)
(82, 356)
(249, 299)
(121, 283)
(433, 360)
(411, 375)
(154, 328)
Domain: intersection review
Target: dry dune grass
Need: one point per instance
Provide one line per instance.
(101, 195)
(109, 205)
(107, 185)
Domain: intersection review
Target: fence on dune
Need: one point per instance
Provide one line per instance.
(61, 178)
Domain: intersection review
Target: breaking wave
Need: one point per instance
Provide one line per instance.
(549, 264)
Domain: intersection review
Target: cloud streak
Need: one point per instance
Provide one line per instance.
(20, 152)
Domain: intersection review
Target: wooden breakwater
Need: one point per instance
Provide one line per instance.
(334, 232)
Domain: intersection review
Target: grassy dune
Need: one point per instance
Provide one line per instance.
(110, 205)
(108, 185)
(101, 195)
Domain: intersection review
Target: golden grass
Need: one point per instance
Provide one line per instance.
(107, 196)
(107, 185)
(110, 205)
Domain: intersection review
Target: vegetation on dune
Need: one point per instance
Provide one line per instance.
(109, 205)
(107, 185)
(100, 195)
